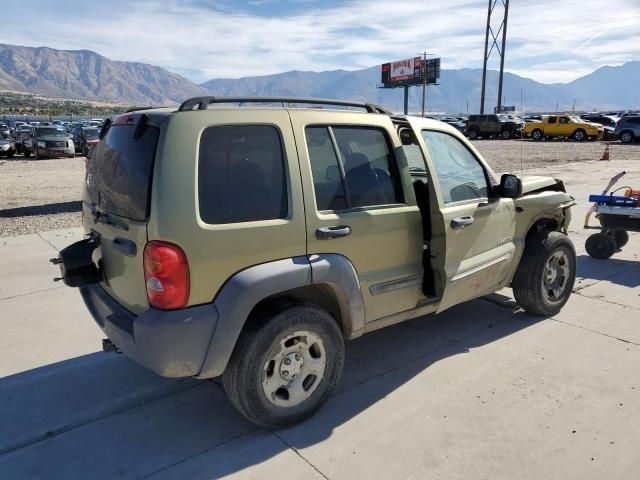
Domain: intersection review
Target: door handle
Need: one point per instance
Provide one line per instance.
(461, 222)
(336, 231)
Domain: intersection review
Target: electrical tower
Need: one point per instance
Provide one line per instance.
(502, 29)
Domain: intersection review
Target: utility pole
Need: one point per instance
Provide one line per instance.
(502, 29)
(423, 71)
(504, 46)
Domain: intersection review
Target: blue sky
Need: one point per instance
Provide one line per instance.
(548, 40)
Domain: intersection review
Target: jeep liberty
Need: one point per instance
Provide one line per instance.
(250, 237)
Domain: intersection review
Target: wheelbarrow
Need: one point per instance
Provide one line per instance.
(618, 213)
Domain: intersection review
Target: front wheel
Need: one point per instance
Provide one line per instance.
(537, 135)
(626, 136)
(546, 274)
(506, 134)
(473, 134)
(579, 135)
(285, 365)
(601, 246)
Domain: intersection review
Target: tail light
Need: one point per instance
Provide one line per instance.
(166, 273)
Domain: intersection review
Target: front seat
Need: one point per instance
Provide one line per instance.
(362, 181)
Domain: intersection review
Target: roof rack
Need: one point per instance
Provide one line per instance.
(203, 102)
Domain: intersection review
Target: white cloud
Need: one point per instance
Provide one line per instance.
(208, 43)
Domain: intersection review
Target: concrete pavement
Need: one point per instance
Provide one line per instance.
(481, 391)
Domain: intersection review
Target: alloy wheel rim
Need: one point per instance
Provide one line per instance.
(556, 276)
(294, 368)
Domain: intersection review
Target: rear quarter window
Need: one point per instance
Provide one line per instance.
(241, 174)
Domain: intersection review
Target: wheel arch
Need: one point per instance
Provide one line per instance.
(329, 281)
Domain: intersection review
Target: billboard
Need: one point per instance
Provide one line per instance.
(409, 72)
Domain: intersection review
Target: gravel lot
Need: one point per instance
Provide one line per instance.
(41, 195)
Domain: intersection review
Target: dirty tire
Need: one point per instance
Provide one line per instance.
(621, 237)
(537, 135)
(528, 283)
(244, 375)
(600, 246)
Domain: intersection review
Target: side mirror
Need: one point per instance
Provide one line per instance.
(510, 186)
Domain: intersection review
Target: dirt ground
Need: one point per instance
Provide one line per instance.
(41, 195)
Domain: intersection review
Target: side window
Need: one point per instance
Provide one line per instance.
(325, 168)
(460, 174)
(241, 174)
(564, 120)
(553, 119)
(352, 167)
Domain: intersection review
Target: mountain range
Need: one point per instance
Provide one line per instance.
(83, 74)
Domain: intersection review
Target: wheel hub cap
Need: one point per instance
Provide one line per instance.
(291, 365)
(555, 276)
(293, 369)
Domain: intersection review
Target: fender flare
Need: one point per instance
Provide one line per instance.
(244, 290)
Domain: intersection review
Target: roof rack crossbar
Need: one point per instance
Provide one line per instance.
(203, 102)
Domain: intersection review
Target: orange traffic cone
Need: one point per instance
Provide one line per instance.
(605, 155)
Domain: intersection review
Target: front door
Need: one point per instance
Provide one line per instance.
(360, 204)
(473, 246)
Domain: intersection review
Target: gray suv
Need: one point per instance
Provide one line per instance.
(628, 128)
(48, 142)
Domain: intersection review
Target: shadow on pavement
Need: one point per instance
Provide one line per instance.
(610, 270)
(101, 415)
(47, 209)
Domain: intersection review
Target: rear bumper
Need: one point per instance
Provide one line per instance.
(172, 343)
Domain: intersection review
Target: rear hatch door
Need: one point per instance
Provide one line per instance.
(116, 205)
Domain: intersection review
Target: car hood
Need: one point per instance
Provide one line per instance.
(533, 183)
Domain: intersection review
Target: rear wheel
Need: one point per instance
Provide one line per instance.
(27, 153)
(621, 237)
(285, 365)
(626, 136)
(546, 274)
(579, 135)
(601, 246)
(537, 135)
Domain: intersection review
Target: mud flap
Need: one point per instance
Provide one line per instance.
(80, 263)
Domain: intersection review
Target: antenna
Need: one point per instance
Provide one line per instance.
(521, 138)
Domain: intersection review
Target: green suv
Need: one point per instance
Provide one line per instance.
(488, 126)
(250, 237)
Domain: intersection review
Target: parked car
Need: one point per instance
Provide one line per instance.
(48, 142)
(85, 138)
(7, 146)
(568, 126)
(608, 122)
(492, 125)
(252, 242)
(628, 128)
(21, 135)
(455, 123)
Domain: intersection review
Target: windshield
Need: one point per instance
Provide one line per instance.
(91, 133)
(49, 132)
(503, 118)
